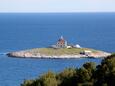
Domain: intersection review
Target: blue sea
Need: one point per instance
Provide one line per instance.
(20, 31)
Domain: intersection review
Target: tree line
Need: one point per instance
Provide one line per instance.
(88, 75)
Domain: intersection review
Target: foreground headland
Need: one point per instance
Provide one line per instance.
(62, 49)
(86, 75)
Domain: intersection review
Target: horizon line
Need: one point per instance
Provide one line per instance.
(62, 12)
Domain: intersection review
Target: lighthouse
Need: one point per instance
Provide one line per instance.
(61, 43)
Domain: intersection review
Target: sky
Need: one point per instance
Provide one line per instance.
(57, 6)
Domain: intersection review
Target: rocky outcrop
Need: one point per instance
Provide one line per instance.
(27, 54)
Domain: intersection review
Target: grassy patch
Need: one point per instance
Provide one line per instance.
(61, 51)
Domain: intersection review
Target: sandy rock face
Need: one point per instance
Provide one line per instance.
(28, 54)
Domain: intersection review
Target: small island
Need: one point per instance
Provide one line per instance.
(62, 49)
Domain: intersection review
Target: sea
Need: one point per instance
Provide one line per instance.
(20, 31)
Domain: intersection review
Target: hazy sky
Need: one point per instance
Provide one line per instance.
(57, 5)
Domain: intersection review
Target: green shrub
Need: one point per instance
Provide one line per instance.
(87, 75)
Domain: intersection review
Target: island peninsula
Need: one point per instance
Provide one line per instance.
(62, 49)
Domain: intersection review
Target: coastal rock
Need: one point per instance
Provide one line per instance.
(53, 53)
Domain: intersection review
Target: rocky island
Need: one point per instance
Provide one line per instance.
(60, 50)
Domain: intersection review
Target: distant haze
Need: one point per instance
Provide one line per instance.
(57, 5)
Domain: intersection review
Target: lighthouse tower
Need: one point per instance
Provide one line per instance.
(62, 43)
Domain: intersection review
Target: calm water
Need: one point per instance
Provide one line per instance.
(24, 31)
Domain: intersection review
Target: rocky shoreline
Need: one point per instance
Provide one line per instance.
(28, 54)
(60, 50)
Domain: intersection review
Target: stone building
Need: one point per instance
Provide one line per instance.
(61, 43)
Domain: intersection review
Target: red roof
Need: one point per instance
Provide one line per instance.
(61, 41)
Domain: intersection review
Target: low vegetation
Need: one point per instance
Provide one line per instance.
(60, 51)
(88, 75)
